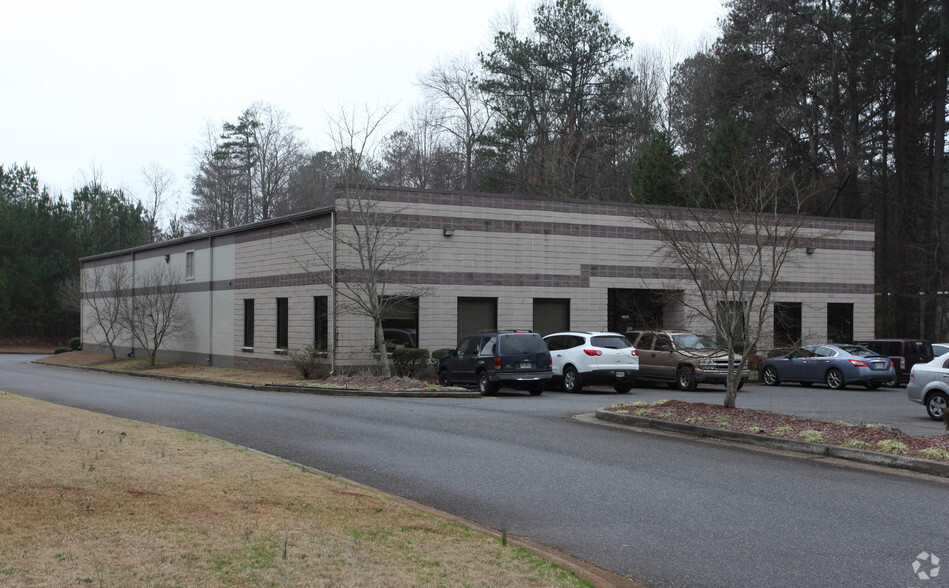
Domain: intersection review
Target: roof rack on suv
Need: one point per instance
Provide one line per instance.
(504, 331)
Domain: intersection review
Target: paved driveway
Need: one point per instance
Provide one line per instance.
(663, 510)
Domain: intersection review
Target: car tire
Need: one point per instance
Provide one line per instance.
(872, 385)
(936, 404)
(770, 376)
(571, 380)
(685, 378)
(622, 388)
(835, 379)
(537, 388)
(485, 385)
(444, 379)
(894, 383)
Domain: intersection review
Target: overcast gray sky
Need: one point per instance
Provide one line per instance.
(118, 84)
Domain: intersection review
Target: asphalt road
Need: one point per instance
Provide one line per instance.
(664, 510)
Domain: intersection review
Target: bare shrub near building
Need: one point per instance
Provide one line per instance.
(735, 252)
(153, 314)
(108, 287)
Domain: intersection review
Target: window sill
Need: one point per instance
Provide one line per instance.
(247, 349)
(281, 351)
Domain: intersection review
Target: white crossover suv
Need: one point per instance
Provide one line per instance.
(587, 358)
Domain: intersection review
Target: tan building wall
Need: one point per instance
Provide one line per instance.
(514, 249)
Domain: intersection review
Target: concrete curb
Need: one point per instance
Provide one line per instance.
(925, 466)
(280, 387)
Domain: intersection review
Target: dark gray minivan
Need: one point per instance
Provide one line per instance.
(905, 353)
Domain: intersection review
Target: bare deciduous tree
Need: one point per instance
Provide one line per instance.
(160, 182)
(106, 289)
(734, 254)
(153, 313)
(459, 109)
(371, 247)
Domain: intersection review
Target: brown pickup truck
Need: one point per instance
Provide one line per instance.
(682, 359)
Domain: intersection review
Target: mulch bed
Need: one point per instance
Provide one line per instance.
(872, 437)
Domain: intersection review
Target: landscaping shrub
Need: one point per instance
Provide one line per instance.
(309, 360)
(62, 350)
(409, 361)
(75, 343)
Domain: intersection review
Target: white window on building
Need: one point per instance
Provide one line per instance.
(189, 265)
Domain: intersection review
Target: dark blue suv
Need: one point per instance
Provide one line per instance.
(493, 359)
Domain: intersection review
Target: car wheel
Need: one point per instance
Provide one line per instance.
(770, 376)
(936, 405)
(571, 379)
(872, 385)
(537, 388)
(622, 388)
(835, 379)
(685, 377)
(894, 383)
(443, 378)
(485, 385)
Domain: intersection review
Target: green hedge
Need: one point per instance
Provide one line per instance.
(409, 361)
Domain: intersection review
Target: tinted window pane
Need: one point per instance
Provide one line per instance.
(610, 341)
(522, 344)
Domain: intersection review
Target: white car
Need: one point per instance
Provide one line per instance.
(589, 358)
(940, 349)
(929, 385)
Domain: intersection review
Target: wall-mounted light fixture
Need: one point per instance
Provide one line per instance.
(809, 251)
(167, 258)
(448, 232)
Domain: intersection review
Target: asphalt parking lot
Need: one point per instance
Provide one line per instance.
(856, 405)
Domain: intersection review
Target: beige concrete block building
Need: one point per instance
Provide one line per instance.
(488, 261)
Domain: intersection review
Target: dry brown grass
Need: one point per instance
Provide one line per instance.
(200, 372)
(92, 499)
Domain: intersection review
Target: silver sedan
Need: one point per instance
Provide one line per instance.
(929, 386)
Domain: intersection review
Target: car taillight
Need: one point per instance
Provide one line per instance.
(497, 363)
(903, 364)
(858, 363)
(550, 360)
(634, 352)
(593, 352)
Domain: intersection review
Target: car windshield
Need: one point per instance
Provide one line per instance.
(858, 350)
(690, 341)
(610, 341)
(527, 343)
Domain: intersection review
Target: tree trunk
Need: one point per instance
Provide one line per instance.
(383, 354)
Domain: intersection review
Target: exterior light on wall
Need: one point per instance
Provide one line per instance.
(448, 232)
(167, 258)
(810, 250)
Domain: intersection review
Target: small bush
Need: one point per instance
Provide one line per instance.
(754, 362)
(892, 446)
(935, 453)
(438, 354)
(75, 343)
(811, 436)
(856, 444)
(309, 360)
(409, 361)
(62, 350)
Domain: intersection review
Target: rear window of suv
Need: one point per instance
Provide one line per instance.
(531, 343)
(610, 342)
